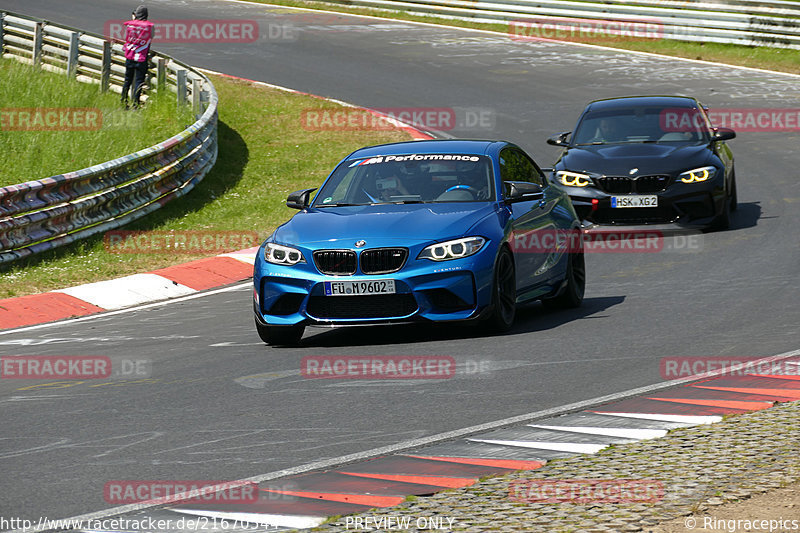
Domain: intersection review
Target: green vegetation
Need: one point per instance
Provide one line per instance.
(264, 154)
(89, 127)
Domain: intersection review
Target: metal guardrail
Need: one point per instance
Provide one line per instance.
(41, 215)
(747, 22)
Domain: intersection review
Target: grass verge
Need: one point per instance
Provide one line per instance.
(32, 155)
(777, 59)
(264, 154)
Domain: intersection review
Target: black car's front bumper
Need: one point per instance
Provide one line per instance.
(690, 206)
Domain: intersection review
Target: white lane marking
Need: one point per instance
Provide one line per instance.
(122, 292)
(683, 419)
(627, 433)
(293, 521)
(70, 321)
(506, 35)
(448, 435)
(571, 447)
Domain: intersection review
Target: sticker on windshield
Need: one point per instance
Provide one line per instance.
(415, 157)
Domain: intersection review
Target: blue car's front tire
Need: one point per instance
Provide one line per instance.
(504, 293)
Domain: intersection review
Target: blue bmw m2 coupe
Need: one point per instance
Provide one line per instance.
(418, 231)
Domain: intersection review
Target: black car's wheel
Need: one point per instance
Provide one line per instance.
(504, 293)
(280, 335)
(734, 195)
(572, 295)
(723, 220)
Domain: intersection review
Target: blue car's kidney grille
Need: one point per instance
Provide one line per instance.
(372, 306)
(626, 185)
(336, 262)
(383, 260)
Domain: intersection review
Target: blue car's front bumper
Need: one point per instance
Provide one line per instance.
(459, 289)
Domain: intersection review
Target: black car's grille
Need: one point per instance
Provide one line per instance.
(651, 183)
(372, 306)
(615, 184)
(634, 215)
(383, 260)
(626, 185)
(336, 262)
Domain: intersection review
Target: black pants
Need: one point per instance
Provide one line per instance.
(137, 70)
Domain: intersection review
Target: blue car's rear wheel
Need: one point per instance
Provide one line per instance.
(571, 295)
(504, 293)
(280, 335)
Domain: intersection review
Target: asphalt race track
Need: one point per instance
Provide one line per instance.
(219, 404)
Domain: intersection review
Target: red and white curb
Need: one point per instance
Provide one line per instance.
(308, 498)
(128, 291)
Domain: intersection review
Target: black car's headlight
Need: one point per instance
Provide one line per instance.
(282, 255)
(573, 179)
(455, 249)
(698, 174)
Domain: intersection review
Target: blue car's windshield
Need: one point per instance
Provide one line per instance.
(641, 125)
(411, 178)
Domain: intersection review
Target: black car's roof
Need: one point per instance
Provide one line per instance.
(638, 101)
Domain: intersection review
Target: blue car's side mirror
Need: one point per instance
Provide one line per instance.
(299, 199)
(523, 191)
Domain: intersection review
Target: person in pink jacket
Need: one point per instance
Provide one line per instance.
(138, 37)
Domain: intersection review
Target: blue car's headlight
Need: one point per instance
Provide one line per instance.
(455, 249)
(698, 174)
(282, 255)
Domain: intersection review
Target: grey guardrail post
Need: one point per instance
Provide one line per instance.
(105, 72)
(196, 96)
(43, 214)
(2, 23)
(161, 75)
(37, 44)
(181, 76)
(73, 53)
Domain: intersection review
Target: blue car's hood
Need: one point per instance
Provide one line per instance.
(619, 159)
(382, 223)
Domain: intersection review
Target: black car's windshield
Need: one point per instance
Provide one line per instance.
(411, 178)
(641, 125)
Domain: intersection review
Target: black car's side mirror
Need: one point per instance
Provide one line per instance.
(559, 139)
(299, 199)
(724, 134)
(523, 191)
